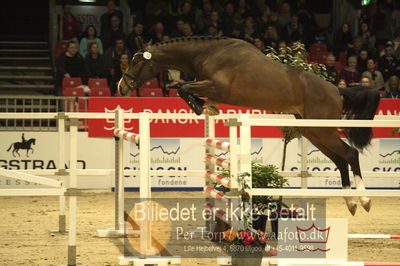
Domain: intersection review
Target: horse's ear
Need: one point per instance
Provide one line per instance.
(142, 45)
(148, 45)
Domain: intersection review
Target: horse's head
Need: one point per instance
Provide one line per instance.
(140, 70)
(33, 141)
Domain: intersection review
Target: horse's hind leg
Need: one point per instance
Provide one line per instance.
(353, 159)
(325, 140)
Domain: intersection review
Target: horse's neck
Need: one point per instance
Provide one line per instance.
(177, 56)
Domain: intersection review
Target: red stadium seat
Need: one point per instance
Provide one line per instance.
(339, 67)
(99, 83)
(73, 91)
(343, 58)
(173, 93)
(61, 46)
(133, 94)
(314, 48)
(319, 57)
(100, 91)
(151, 84)
(75, 105)
(71, 82)
(151, 92)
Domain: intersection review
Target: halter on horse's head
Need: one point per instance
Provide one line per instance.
(140, 69)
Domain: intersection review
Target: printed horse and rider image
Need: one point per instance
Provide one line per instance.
(23, 145)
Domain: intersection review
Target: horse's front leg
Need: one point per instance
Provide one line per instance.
(191, 93)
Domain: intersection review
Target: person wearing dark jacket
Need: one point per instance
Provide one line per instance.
(114, 32)
(95, 63)
(388, 64)
(70, 64)
(106, 17)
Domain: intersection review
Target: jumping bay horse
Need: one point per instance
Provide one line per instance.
(234, 72)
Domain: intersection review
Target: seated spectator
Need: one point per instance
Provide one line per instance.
(374, 75)
(330, 69)
(154, 10)
(236, 29)
(118, 70)
(216, 21)
(243, 9)
(156, 32)
(356, 47)
(273, 20)
(95, 63)
(187, 30)
(187, 14)
(367, 37)
(259, 44)
(249, 32)
(362, 61)
(392, 88)
(90, 36)
(282, 49)
(135, 38)
(203, 16)
(350, 74)
(70, 64)
(114, 53)
(396, 44)
(365, 81)
(105, 19)
(263, 21)
(341, 84)
(388, 64)
(284, 15)
(343, 39)
(271, 37)
(178, 29)
(228, 15)
(172, 79)
(294, 30)
(213, 31)
(71, 27)
(114, 32)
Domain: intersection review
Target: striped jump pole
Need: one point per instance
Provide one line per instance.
(218, 144)
(220, 179)
(126, 135)
(374, 236)
(381, 263)
(224, 163)
(221, 214)
(216, 194)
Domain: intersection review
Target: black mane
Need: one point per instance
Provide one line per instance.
(191, 39)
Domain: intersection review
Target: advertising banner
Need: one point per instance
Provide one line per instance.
(194, 128)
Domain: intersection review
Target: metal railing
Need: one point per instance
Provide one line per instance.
(39, 104)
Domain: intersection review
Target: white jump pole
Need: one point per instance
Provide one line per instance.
(119, 174)
(304, 170)
(72, 191)
(245, 151)
(61, 171)
(145, 180)
(234, 169)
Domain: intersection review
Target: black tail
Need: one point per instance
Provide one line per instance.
(359, 103)
(10, 147)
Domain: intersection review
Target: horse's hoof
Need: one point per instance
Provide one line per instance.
(352, 206)
(211, 110)
(366, 203)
